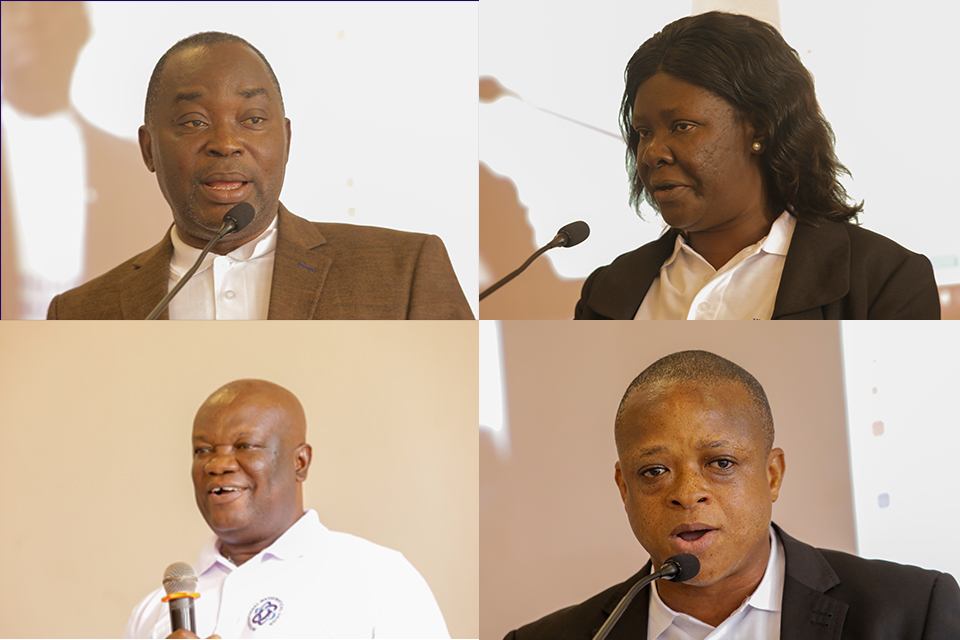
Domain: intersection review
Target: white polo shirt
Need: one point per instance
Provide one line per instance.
(310, 583)
(758, 617)
(745, 288)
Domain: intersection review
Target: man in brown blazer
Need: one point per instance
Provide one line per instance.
(216, 134)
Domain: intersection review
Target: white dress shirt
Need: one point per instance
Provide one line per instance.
(310, 583)
(235, 286)
(745, 288)
(758, 618)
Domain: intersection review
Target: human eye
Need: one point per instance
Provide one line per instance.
(684, 126)
(652, 472)
(255, 121)
(192, 124)
(723, 464)
(201, 450)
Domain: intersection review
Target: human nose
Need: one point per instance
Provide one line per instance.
(689, 490)
(653, 151)
(220, 462)
(224, 140)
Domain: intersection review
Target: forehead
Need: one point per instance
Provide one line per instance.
(228, 66)
(663, 96)
(230, 410)
(685, 413)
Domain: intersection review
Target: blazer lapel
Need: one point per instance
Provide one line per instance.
(632, 625)
(299, 271)
(148, 282)
(816, 271)
(806, 613)
(621, 287)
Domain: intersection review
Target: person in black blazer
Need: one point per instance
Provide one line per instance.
(724, 138)
(698, 474)
(827, 594)
(837, 271)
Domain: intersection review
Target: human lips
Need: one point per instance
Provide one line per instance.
(223, 493)
(693, 537)
(226, 187)
(664, 190)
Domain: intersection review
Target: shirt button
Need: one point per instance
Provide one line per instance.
(229, 295)
(703, 306)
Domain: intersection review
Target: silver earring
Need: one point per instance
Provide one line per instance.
(757, 146)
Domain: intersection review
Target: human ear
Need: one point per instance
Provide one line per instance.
(621, 483)
(776, 465)
(301, 461)
(758, 136)
(146, 151)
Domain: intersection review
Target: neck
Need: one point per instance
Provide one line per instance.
(228, 243)
(714, 603)
(720, 244)
(238, 551)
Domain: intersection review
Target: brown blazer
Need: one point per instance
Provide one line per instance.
(321, 271)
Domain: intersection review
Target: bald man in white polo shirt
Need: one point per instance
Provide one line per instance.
(273, 570)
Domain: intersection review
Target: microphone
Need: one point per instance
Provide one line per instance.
(569, 236)
(678, 568)
(180, 583)
(236, 219)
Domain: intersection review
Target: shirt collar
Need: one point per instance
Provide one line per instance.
(295, 542)
(777, 241)
(184, 255)
(768, 595)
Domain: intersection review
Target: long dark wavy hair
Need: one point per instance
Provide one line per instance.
(747, 63)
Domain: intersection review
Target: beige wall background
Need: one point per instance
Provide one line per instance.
(553, 528)
(97, 497)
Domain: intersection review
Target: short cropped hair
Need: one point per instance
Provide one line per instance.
(205, 38)
(747, 63)
(704, 368)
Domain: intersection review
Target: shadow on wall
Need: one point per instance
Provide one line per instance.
(506, 240)
(122, 208)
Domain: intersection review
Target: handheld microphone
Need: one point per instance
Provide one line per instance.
(678, 568)
(569, 236)
(180, 583)
(236, 219)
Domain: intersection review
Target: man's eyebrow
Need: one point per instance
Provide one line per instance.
(650, 451)
(187, 96)
(249, 93)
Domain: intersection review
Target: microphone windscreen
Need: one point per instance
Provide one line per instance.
(689, 566)
(180, 576)
(577, 232)
(242, 215)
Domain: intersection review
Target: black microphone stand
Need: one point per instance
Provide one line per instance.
(558, 241)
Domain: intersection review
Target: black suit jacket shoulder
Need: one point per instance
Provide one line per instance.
(826, 595)
(837, 271)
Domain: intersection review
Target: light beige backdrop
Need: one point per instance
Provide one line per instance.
(553, 528)
(97, 498)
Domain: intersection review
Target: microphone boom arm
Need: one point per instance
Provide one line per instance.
(513, 274)
(229, 226)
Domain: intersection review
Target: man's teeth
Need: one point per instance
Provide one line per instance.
(223, 489)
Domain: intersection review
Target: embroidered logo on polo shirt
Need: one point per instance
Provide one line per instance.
(264, 613)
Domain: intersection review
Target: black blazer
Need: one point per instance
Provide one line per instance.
(836, 271)
(827, 595)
